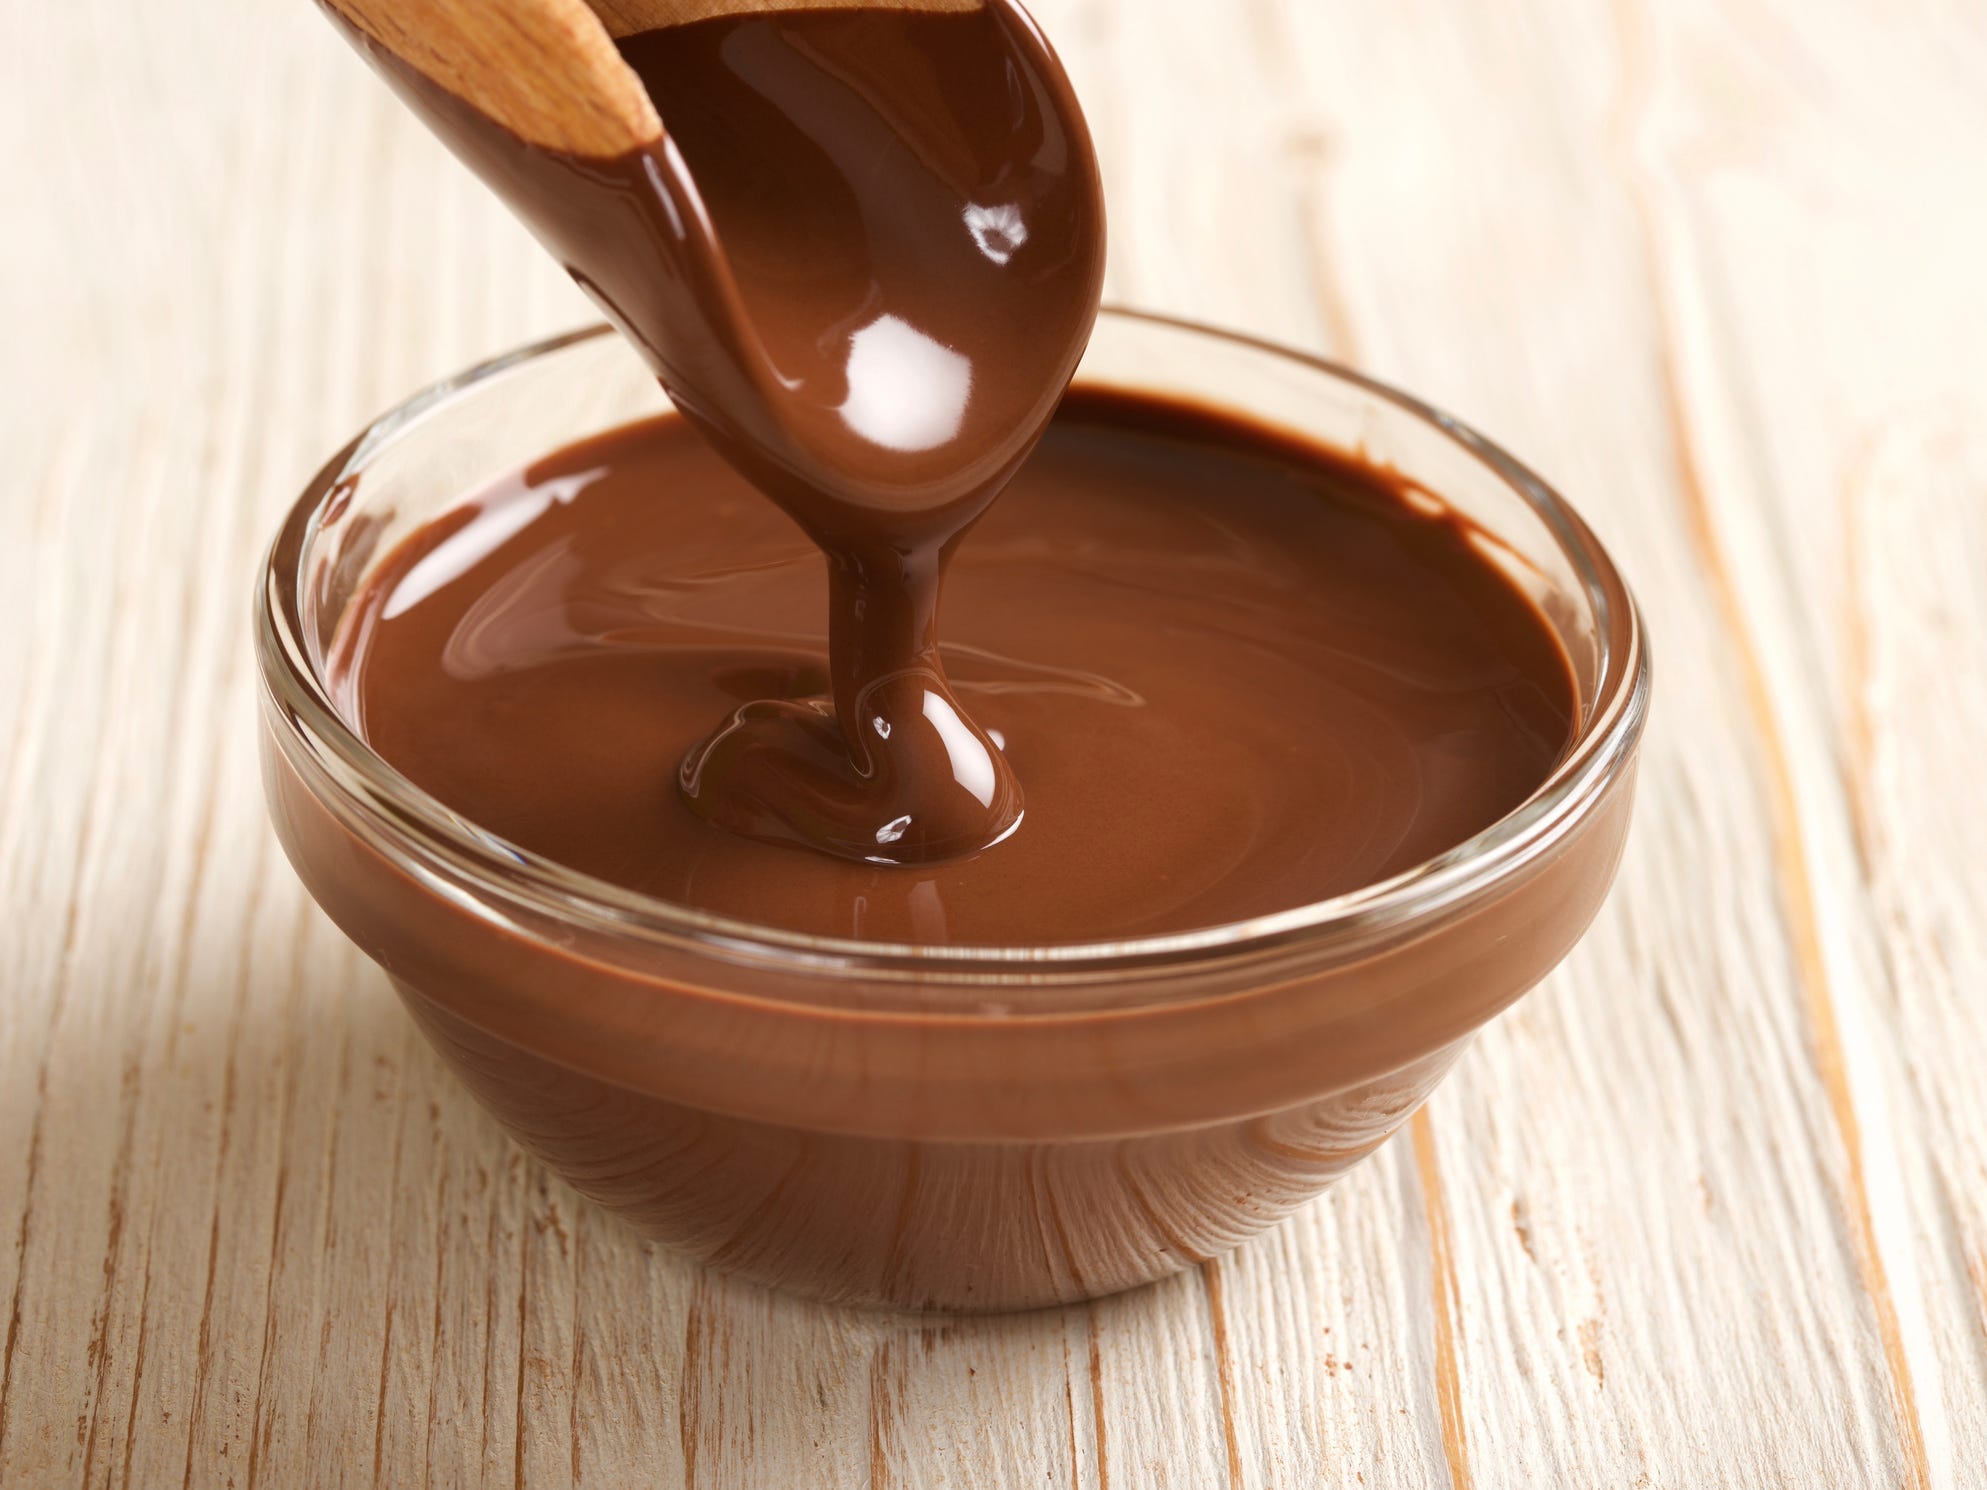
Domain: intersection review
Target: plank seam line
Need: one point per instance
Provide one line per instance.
(1069, 1406)
(1224, 1366)
(223, 1148)
(65, 965)
(182, 973)
(1446, 1300)
(392, 1270)
(1097, 1399)
(579, 1335)
(259, 1428)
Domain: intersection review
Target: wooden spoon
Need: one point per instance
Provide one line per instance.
(547, 70)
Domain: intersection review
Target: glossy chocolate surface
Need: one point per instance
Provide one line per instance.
(1238, 673)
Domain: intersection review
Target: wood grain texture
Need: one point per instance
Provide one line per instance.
(547, 70)
(1709, 1209)
(630, 17)
(544, 69)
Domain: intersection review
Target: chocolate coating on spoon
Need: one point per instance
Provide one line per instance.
(864, 259)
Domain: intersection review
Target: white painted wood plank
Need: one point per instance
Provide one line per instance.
(1819, 307)
(1535, 260)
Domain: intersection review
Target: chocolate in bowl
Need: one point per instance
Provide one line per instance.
(947, 1127)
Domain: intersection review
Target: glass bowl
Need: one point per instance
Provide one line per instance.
(927, 1127)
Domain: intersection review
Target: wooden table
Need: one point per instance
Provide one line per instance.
(1709, 1209)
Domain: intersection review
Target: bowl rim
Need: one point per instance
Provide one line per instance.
(438, 846)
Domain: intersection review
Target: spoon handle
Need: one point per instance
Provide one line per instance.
(631, 17)
(544, 69)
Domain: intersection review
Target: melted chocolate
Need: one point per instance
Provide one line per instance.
(864, 261)
(1238, 673)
